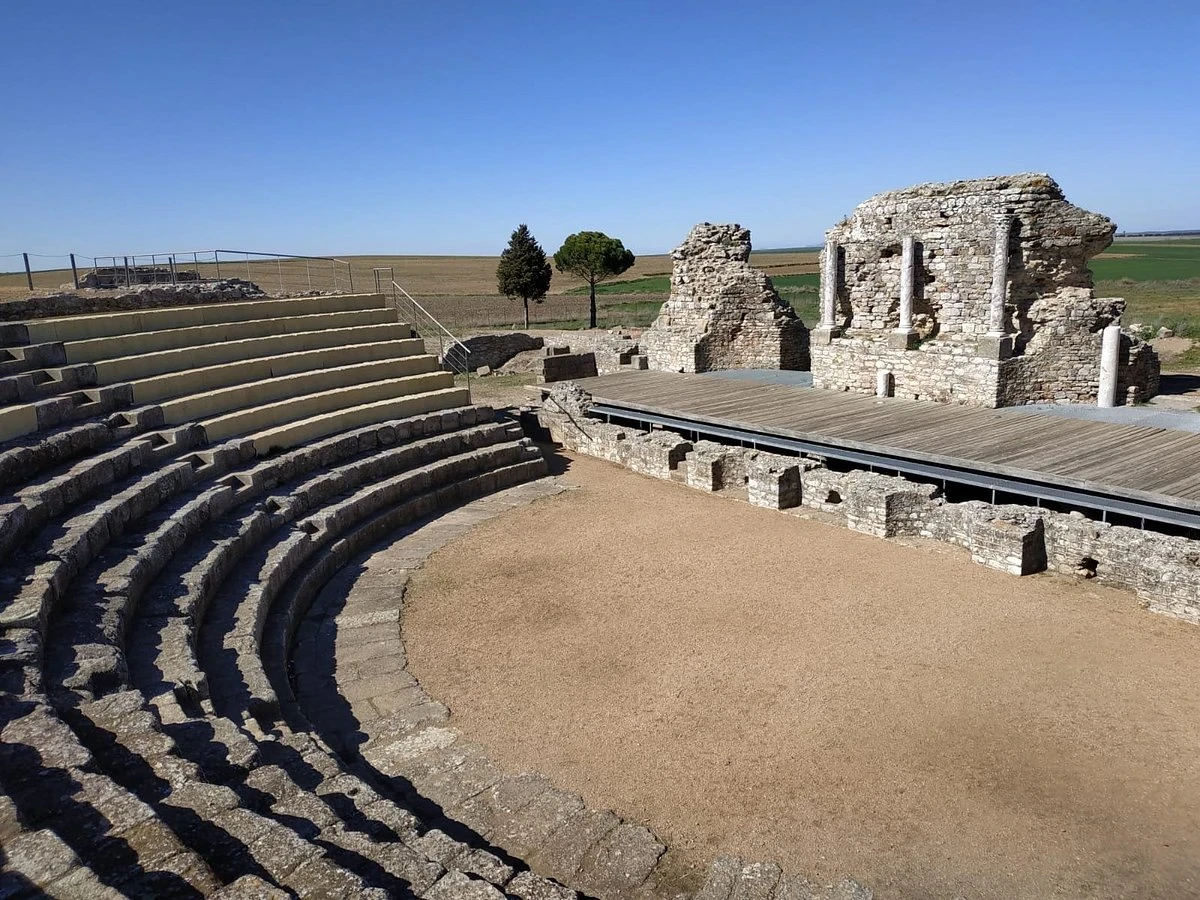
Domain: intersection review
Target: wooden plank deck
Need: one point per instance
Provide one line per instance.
(1145, 464)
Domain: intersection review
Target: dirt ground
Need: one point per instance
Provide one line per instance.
(760, 684)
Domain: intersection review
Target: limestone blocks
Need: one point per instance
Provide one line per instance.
(1164, 570)
(723, 314)
(1012, 544)
(559, 364)
(995, 269)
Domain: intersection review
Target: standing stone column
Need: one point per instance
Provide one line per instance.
(905, 336)
(1110, 364)
(828, 329)
(997, 344)
(999, 292)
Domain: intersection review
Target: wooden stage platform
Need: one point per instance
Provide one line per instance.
(1137, 471)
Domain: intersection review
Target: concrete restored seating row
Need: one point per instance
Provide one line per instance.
(121, 345)
(112, 361)
(41, 384)
(144, 366)
(246, 370)
(96, 325)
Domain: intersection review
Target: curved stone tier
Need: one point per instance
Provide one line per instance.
(176, 484)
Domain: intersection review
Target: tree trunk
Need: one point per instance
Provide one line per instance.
(525, 300)
(592, 305)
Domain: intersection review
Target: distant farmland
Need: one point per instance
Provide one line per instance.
(1160, 280)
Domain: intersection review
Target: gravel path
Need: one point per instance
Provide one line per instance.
(759, 684)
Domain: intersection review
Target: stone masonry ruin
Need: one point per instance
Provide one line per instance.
(1162, 569)
(722, 313)
(974, 292)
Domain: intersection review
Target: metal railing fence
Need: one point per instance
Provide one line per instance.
(272, 272)
(452, 353)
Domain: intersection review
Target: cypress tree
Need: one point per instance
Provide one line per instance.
(524, 271)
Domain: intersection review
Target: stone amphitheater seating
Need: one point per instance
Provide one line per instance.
(176, 486)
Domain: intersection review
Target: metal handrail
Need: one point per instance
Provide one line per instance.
(431, 317)
(456, 355)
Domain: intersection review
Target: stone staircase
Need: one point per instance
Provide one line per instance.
(176, 486)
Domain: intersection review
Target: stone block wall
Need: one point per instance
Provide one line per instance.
(566, 366)
(1015, 545)
(1163, 570)
(723, 314)
(1015, 237)
(774, 482)
(494, 350)
(944, 371)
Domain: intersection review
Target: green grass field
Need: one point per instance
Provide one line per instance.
(1144, 261)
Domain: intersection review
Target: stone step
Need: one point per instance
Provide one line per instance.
(212, 567)
(234, 633)
(140, 536)
(248, 368)
(177, 603)
(333, 420)
(206, 816)
(291, 387)
(243, 789)
(122, 344)
(96, 608)
(28, 418)
(26, 459)
(37, 577)
(67, 830)
(27, 356)
(97, 325)
(39, 384)
(144, 366)
(39, 500)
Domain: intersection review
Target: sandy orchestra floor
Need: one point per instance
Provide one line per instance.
(754, 683)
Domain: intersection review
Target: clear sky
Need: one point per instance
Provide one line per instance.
(438, 126)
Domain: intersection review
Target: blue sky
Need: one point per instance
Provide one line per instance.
(437, 127)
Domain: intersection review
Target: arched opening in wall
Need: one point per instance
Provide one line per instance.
(833, 497)
(1087, 567)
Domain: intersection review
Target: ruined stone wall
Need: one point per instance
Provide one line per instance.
(558, 365)
(157, 296)
(494, 350)
(722, 313)
(1163, 570)
(945, 371)
(1044, 344)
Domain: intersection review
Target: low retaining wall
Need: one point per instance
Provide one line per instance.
(1163, 570)
(157, 296)
(494, 350)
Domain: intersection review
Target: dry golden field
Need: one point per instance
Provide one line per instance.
(420, 275)
(459, 290)
(1159, 280)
